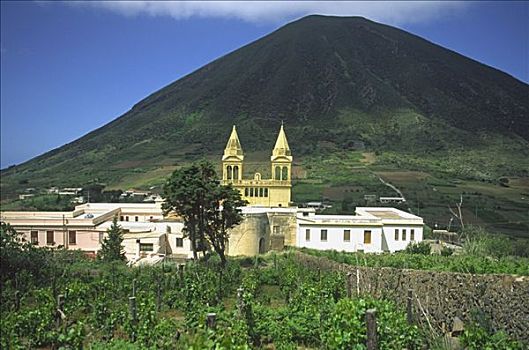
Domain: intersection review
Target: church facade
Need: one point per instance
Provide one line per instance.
(273, 192)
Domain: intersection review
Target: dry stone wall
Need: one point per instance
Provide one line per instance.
(439, 298)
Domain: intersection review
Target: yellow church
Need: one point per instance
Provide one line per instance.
(273, 192)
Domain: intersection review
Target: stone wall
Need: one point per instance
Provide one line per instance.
(441, 297)
(245, 237)
(287, 224)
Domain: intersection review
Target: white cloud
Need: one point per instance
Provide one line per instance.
(391, 12)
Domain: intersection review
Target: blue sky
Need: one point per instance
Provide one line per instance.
(69, 68)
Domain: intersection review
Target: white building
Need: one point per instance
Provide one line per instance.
(149, 236)
(371, 230)
(387, 200)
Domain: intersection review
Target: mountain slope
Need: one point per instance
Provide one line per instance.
(333, 80)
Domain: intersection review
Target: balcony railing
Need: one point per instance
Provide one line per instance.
(258, 182)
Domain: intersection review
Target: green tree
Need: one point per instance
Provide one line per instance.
(21, 263)
(208, 209)
(111, 247)
(12, 246)
(223, 214)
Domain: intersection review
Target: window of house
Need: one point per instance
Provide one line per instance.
(367, 237)
(412, 235)
(146, 247)
(347, 235)
(266, 192)
(151, 218)
(121, 218)
(179, 242)
(305, 213)
(396, 234)
(72, 237)
(403, 235)
(136, 218)
(34, 237)
(307, 234)
(323, 235)
(126, 218)
(276, 230)
(246, 192)
(251, 192)
(261, 193)
(49, 238)
(101, 237)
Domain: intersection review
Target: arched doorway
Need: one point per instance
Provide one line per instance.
(262, 245)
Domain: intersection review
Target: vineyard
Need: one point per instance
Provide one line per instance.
(270, 302)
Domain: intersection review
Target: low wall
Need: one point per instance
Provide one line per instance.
(439, 297)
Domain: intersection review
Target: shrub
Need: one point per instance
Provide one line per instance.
(447, 251)
(423, 248)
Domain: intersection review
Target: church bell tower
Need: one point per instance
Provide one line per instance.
(232, 160)
(281, 172)
(281, 158)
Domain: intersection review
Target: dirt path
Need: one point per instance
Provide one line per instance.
(394, 188)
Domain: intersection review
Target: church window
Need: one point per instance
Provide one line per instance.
(278, 173)
(403, 235)
(266, 192)
(261, 192)
(284, 173)
(228, 171)
(235, 172)
(412, 235)
(396, 234)
(367, 237)
(323, 235)
(251, 191)
(246, 192)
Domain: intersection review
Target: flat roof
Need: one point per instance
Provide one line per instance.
(384, 214)
(387, 213)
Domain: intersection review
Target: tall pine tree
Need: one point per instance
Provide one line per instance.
(111, 248)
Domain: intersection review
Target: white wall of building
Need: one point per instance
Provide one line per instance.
(174, 235)
(398, 237)
(335, 238)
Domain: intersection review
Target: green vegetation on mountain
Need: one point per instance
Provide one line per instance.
(360, 100)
